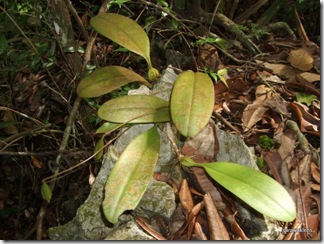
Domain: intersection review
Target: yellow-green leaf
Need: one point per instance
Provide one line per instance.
(125, 32)
(108, 127)
(192, 102)
(135, 109)
(131, 175)
(46, 192)
(257, 189)
(107, 79)
(98, 150)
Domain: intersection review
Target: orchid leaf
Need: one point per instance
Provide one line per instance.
(131, 175)
(124, 31)
(108, 127)
(192, 102)
(135, 109)
(257, 189)
(107, 79)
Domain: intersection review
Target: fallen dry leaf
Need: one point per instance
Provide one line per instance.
(204, 146)
(274, 162)
(208, 57)
(307, 122)
(282, 70)
(301, 59)
(216, 226)
(185, 196)
(316, 187)
(230, 219)
(199, 232)
(191, 227)
(310, 77)
(313, 222)
(265, 100)
(37, 163)
(316, 173)
(287, 144)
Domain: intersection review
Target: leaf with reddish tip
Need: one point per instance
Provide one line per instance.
(107, 79)
(124, 31)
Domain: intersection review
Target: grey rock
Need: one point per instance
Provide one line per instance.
(233, 149)
(128, 231)
(158, 199)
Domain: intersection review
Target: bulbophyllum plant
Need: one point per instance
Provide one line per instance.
(189, 110)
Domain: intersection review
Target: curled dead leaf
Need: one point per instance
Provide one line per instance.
(308, 123)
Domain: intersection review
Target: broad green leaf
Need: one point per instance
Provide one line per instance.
(135, 109)
(108, 127)
(46, 192)
(107, 79)
(131, 175)
(257, 189)
(192, 102)
(125, 32)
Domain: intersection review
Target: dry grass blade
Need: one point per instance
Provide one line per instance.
(216, 226)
